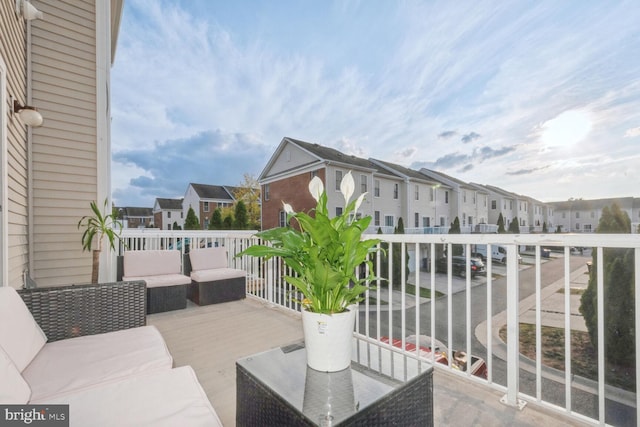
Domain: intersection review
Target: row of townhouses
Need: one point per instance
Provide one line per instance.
(203, 198)
(582, 216)
(428, 201)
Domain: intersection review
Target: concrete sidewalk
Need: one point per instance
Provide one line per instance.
(552, 309)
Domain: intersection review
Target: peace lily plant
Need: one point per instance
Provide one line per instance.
(324, 252)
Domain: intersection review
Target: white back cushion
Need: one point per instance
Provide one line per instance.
(20, 336)
(13, 388)
(208, 258)
(151, 263)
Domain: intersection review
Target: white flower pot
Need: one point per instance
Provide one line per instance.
(328, 339)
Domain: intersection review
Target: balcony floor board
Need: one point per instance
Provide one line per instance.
(212, 338)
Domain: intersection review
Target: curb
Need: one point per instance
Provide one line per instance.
(529, 365)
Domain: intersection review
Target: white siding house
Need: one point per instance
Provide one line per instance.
(50, 174)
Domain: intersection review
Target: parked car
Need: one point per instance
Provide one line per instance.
(459, 265)
(545, 252)
(427, 345)
(498, 253)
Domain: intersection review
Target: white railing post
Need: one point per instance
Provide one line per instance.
(513, 330)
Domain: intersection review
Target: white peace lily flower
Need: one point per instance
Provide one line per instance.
(316, 188)
(287, 208)
(347, 186)
(359, 202)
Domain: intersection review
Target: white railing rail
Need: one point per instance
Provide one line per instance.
(464, 316)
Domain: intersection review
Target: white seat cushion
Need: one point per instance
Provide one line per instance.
(13, 388)
(20, 336)
(161, 280)
(216, 274)
(74, 364)
(208, 258)
(166, 398)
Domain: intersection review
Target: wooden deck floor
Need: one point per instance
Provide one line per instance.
(212, 338)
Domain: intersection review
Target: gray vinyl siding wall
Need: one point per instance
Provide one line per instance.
(64, 157)
(13, 52)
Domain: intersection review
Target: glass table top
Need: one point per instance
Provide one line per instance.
(327, 398)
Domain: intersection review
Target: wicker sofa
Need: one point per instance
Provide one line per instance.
(87, 346)
(212, 281)
(161, 270)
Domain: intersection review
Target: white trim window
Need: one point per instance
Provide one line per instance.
(282, 219)
(376, 218)
(338, 179)
(396, 191)
(389, 221)
(363, 184)
(417, 192)
(205, 206)
(376, 188)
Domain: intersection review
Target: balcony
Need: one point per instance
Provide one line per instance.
(480, 315)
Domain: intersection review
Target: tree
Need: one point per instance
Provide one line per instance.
(384, 261)
(618, 298)
(99, 225)
(216, 220)
(249, 192)
(175, 226)
(191, 222)
(500, 224)
(241, 218)
(455, 229)
(227, 222)
(397, 257)
(544, 227)
(514, 227)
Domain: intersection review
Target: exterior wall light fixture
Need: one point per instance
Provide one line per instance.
(28, 115)
(27, 10)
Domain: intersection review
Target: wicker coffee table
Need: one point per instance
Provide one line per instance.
(276, 388)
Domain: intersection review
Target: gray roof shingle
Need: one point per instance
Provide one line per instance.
(169, 204)
(217, 192)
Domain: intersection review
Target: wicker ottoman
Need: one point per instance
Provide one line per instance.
(217, 291)
(166, 298)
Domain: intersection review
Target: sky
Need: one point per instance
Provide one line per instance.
(540, 98)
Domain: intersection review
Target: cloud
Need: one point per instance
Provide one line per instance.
(451, 160)
(527, 171)
(211, 157)
(350, 147)
(631, 133)
(407, 152)
(487, 152)
(248, 77)
(470, 137)
(447, 134)
(457, 159)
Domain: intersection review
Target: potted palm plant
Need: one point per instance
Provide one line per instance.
(99, 224)
(325, 254)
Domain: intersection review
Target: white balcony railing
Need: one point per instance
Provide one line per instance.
(472, 313)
